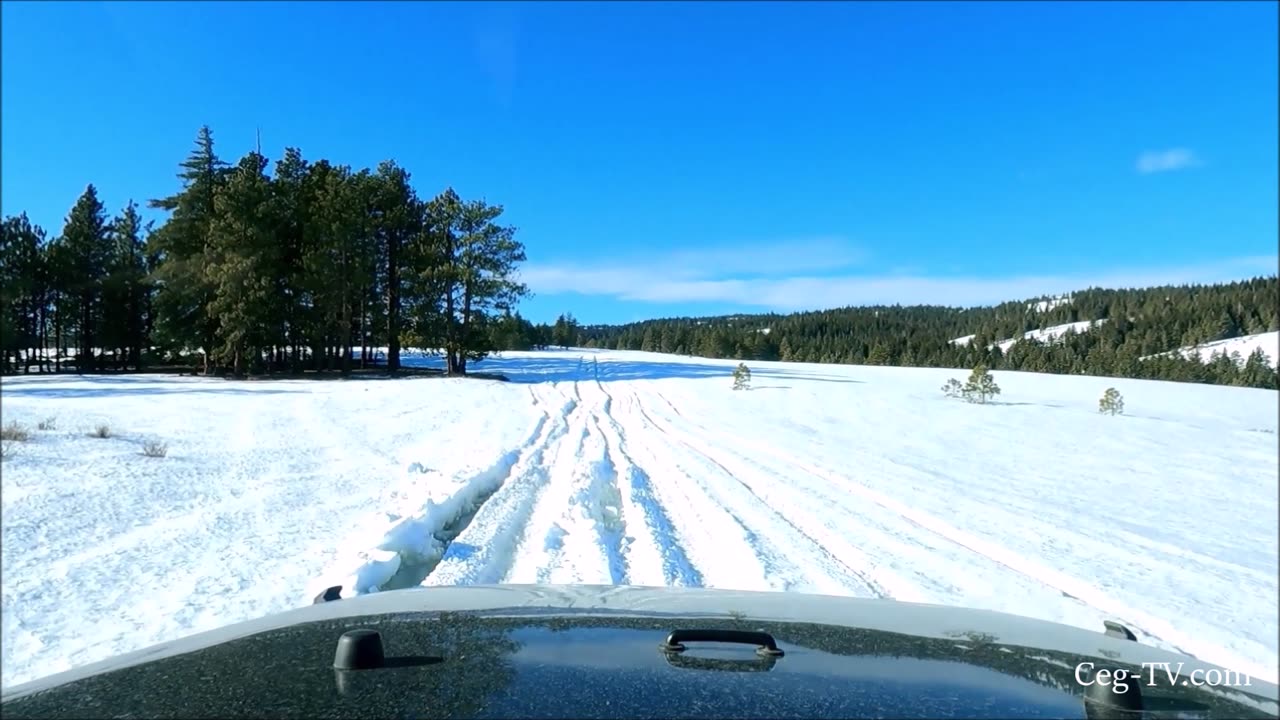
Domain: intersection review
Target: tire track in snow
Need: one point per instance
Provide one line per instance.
(556, 545)
(586, 542)
(864, 581)
(1070, 587)
(788, 565)
(410, 548)
(483, 552)
(721, 551)
(654, 554)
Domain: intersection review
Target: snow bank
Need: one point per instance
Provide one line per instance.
(416, 540)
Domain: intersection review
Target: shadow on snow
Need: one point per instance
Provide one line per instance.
(569, 366)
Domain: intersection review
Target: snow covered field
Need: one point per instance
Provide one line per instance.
(642, 469)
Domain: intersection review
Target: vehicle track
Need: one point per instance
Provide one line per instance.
(484, 551)
(720, 551)
(555, 545)
(792, 518)
(1071, 588)
(587, 541)
(787, 564)
(655, 555)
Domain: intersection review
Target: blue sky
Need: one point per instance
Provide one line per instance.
(690, 158)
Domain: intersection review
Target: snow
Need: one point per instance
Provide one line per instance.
(1051, 333)
(1245, 345)
(843, 480)
(1049, 303)
(1048, 334)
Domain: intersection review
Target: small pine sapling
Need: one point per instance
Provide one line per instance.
(1111, 402)
(742, 377)
(981, 386)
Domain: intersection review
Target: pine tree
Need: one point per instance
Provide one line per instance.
(1258, 372)
(181, 246)
(242, 263)
(1111, 402)
(126, 289)
(981, 385)
(742, 377)
(560, 332)
(471, 264)
(87, 245)
(879, 355)
(397, 220)
(23, 294)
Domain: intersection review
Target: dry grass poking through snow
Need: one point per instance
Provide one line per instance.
(15, 432)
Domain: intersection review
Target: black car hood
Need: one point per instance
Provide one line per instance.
(545, 651)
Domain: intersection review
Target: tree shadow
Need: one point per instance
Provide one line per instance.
(1003, 402)
(583, 366)
(107, 391)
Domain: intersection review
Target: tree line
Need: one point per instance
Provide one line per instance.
(1136, 328)
(316, 266)
(257, 272)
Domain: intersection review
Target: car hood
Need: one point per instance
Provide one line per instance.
(586, 651)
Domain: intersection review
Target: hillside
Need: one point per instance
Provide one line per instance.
(1135, 333)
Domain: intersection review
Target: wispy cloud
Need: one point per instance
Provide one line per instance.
(1157, 161)
(798, 283)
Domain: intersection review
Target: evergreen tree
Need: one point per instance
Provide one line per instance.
(127, 292)
(560, 334)
(23, 290)
(1111, 402)
(182, 249)
(398, 220)
(242, 260)
(87, 246)
(981, 385)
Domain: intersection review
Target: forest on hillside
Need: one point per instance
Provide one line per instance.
(258, 273)
(1136, 324)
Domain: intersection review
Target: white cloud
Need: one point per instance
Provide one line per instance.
(662, 280)
(1156, 161)
(691, 272)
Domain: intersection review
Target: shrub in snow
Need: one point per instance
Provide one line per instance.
(101, 431)
(953, 388)
(155, 448)
(1111, 402)
(13, 432)
(742, 377)
(981, 386)
(48, 424)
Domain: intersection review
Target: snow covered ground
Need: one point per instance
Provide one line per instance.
(643, 469)
(1244, 345)
(1048, 334)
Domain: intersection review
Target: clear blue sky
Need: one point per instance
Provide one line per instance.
(686, 158)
